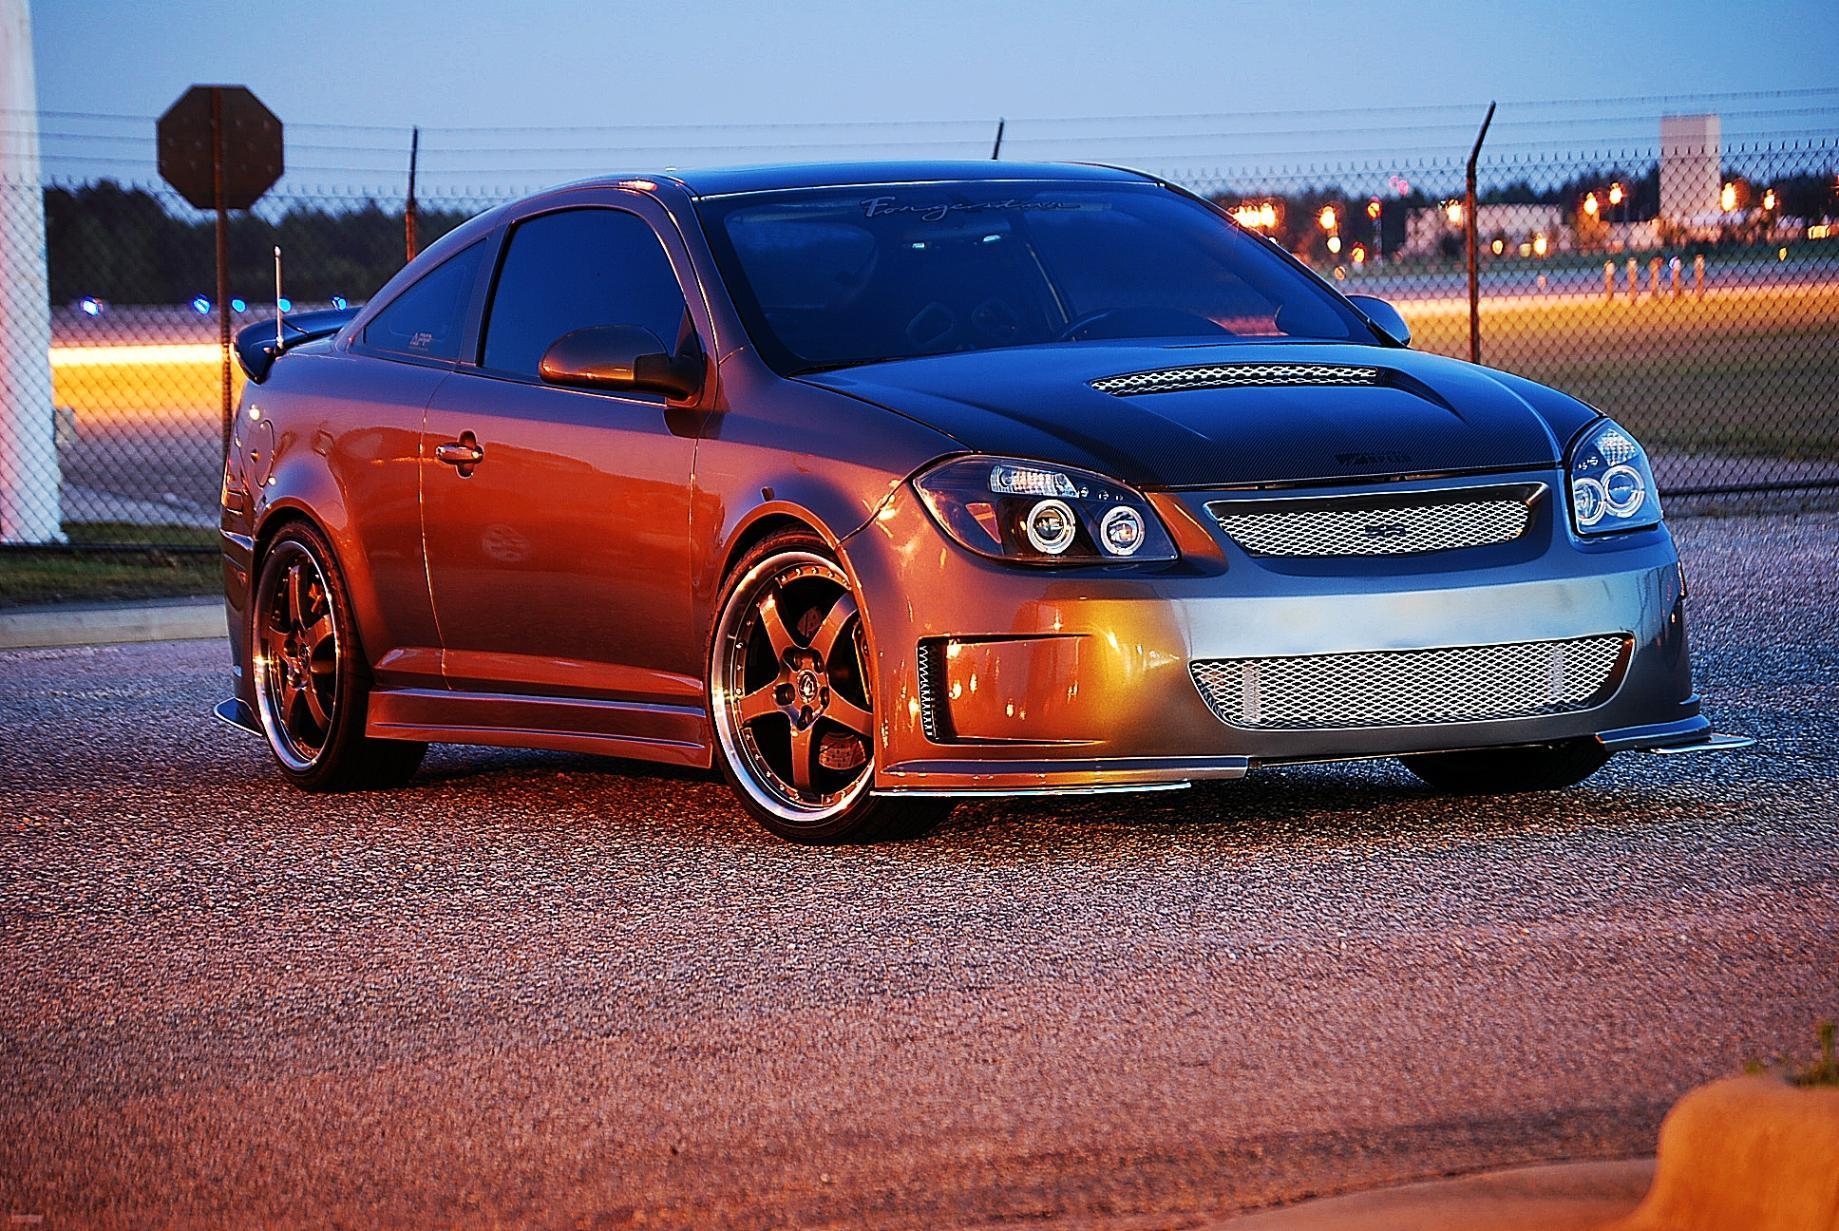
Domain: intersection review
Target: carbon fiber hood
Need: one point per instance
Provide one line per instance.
(1417, 413)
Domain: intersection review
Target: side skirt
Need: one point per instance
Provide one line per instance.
(672, 734)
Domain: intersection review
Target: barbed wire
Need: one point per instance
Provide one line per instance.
(1600, 104)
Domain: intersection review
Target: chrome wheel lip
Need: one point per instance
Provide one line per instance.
(287, 747)
(723, 699)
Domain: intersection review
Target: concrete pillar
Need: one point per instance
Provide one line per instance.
(29, 476)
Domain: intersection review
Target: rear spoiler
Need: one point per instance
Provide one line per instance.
(257, 350)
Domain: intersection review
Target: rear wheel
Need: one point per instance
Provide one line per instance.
(311, 688)
(793, 703)
(1503, 771)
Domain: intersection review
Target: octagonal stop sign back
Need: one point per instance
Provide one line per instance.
(251, 146)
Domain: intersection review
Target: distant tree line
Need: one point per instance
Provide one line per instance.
(123, 245)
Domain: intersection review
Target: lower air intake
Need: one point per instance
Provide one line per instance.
(1407, 687)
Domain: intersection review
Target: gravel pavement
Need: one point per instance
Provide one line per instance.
(541, 990)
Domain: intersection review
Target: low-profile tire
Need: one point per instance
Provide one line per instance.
(792, 699)
(312, 686)
(1504, 771)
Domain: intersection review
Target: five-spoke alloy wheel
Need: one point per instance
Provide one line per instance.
(791, 695)
(309, 678)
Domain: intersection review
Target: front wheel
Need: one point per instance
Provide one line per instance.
(793, 702)
(1504, 771)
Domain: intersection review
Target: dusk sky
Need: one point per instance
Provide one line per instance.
(585, 86)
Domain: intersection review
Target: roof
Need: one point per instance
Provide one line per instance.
(722, 181)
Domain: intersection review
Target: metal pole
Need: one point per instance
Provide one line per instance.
(996, 151)
(408, 213)
(223, 256)
(1469, 233)
(30, 479)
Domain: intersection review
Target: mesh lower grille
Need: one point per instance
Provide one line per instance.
(1237, 376)
(1367, 531)
(1401, 687)
(928, 692)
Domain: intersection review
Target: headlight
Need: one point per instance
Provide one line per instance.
(1041, 513)
(1612, 487)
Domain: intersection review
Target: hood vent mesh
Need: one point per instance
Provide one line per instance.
(1238, 376)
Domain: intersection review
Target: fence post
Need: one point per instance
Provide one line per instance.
(1653, 277)
(1469, 234)
(1634, 281)
(30, 478)
(1609, 281)
(1673, 275)
(408, 213)
(1698, 276)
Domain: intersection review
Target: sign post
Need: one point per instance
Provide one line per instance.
(30, 477)
(220, 148)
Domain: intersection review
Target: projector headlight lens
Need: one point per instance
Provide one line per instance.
(1050, 527)
(1120, 531)
(1612, 486)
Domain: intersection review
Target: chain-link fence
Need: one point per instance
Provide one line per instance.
(1691, 292)
(1693, 295)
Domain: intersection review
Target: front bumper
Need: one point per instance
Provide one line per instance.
(1080, 680)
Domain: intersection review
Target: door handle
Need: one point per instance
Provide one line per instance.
(463, 454)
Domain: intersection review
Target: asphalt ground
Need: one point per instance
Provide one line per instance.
(552, 991)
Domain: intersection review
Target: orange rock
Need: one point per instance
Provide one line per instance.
(1746, 1154)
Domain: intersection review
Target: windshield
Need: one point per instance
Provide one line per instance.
(834, 277)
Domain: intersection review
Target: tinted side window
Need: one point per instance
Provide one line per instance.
(426, 320)
(570, 270)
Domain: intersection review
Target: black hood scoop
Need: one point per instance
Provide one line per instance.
(1239, 376)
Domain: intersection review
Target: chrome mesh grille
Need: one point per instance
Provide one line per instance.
(1400, 687)
(1358, 531)
(1236, 376)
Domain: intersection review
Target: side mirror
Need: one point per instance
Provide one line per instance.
(1384, 316)
(621, 358)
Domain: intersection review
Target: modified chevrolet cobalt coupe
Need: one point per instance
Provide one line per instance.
(880, 486)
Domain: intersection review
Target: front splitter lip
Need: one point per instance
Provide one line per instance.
(1687, 735)
(959, 779)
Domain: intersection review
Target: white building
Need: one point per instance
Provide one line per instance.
(1690, 175)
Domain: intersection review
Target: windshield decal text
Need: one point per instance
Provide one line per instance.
(938, 211)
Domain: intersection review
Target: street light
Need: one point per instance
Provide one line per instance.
(1727, 199)
(1590, 205)
(1768, 199)
(1328, 218)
